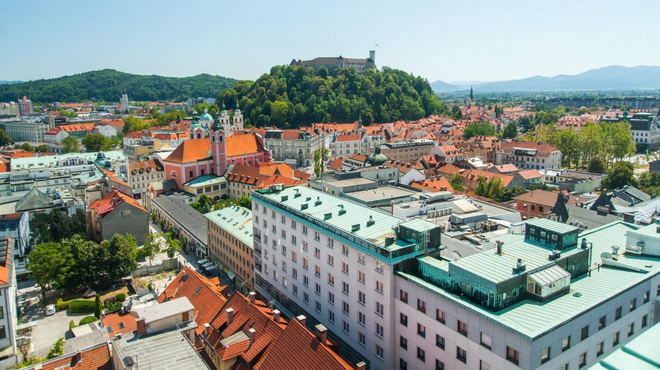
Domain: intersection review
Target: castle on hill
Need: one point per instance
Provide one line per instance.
(331, 63)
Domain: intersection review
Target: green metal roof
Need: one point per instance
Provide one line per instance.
(552, 225)
(236, 220)
(533, 319)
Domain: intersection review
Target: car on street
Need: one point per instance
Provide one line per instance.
(50, 310)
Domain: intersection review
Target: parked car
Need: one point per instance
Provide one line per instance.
(50, 310)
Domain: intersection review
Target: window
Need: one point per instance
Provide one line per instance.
(644, 321)
(379, 351)
(631, 329)
(361, 276)
(486, 340)
(345, 307)
(421, 354)
(582, 360)
(564, 367)
(317, 289)
(317, 236)
(421, 330)
(304, 230)
(545, 355)
(462, 328)
(566, 343)
(440, 315)
(345, 327)
(344, 288)
(317, 253)
(617, 314)
(602, 322)
(512, 355)
(439, 365)
(2, 312)
(305, 280)
(461, 355)
(295, 289)
(305, 263)
(647, 296)
(361, 257)
(379, 266)
(615, 340)
(294, 240)
(403, 295)
(379, 287)
(331, 316)
(380, 309)
(403, 365)
(305, 246)
(584, 333)
(379, 330)
(362, 318)
(599, 349)
(344, 268)
(3, 332)
(331, 260)
(440, 341)
(317, 270)
(403, 342)
(344, 249)
(283, 219)
(421, 305)
(362, 298)
(272, 214)
(362, 339)
(331, 279)
(331, 297)
(633, 304)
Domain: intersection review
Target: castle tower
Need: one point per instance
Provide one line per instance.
(219, 146)
(238, 119)
(372, 55)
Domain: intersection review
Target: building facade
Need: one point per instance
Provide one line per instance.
(295, 146)
(527, 155)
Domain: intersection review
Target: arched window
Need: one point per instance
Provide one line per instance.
(173, 174)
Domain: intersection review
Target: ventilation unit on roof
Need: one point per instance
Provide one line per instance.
(520, 267)
(327, 216)
(371, 221)
(318, 201)
(355, 227)
(342, 210)
(304, 206)
(297, 193)
(555, 254)
(285, 198)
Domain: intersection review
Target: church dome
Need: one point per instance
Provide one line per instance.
(206, 116)
(377, 158)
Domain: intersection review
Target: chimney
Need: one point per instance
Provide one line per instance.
(78, 356)
(207, 328)
(141, 326)
(499, 246)
(276, 315)
(251, 332)
(253, 297)
(361, 365)
(321, 333)
(230, 315)
(302, 319)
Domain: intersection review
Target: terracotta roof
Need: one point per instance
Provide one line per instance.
(543, 149)
(78, 127)
(145, 166)
(503, 168)
(246, 315)
(22, 154)
(120, 324)
(402, 166)
(337, 163)
(471, 177)
(114, 198)
(348, 137)
(530, 174)
(358, 157)
(136, 134)
(244, 174)
(433, 185)
(543, 197)
(207, 297)
(278, 179)
(190, 151)
(242, 144)
(94, 358)
(53, 131)
(298, 349)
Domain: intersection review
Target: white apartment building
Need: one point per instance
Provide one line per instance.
(27, 130)
(529, 155)
(569, 303)
(334, 261)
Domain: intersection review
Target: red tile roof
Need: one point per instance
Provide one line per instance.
(207, 297)
(543, 197)
(190, 151)
(120, 324)
(348, 137)
(244, 174)
(433, 185)
(53, 131)
(242, 144)
(114, 198)
(94, 358)
(298, 349)
(278, 179)
(78, 127)
(530, 174)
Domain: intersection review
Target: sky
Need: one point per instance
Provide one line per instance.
(438, 40)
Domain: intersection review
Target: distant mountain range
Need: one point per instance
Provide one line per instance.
(9, 82)
(606, 78)
(108, 85)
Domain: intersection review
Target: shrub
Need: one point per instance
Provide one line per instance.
(113, 307)
(72, 324)
(62, 305)
(121, 297)
(109, 300)
(87, 320)
(98, 307)
(82, 306)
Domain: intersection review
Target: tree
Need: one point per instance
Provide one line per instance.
(57, 350)
(172, 245)
(50, 264)
(482, 187)
(456, 112)
(152, 247)
(41, 148)
(597, 165)
(319, 158)
(568, 144)
(510, 131)
(27, 147)
(479, 129)
(97, 306)
(96, 143)
(622, 173)
(456, 182)
(55, 226)
(495, 190)
(245, 201)
(70, 145)
(4, 138)
(526, 123)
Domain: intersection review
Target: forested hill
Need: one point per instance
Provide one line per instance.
(108, 85)
(293, 96)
